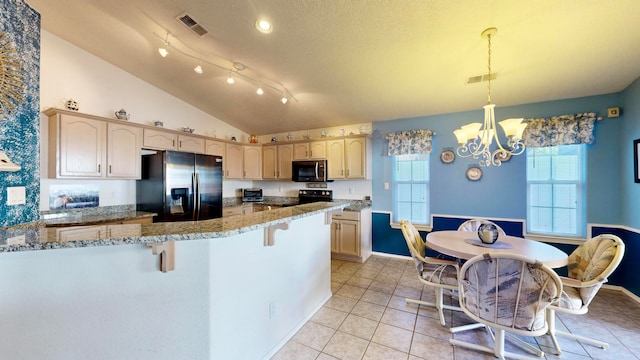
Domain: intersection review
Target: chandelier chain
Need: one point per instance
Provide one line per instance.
(489, 68)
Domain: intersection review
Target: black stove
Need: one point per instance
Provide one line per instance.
(312, 195)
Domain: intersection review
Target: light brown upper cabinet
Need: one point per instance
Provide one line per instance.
(252, 157)
(192, 144)
(159, 139)
(213, 147)
(276, 161)
(82, 146)
(232, 162)
(123, 151)
(310, 150)
(347, 158)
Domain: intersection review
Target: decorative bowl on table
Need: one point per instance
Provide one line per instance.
(488, 233)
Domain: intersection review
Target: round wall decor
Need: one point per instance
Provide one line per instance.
(474, 173)
(447, 156)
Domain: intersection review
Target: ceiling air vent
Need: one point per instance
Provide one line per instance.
(481, 78)
(192, 24)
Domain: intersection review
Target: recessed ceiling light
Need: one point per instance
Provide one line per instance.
(264, 26)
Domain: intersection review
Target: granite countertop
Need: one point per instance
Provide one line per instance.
(351, 205)
(79, 219)
(43, 238)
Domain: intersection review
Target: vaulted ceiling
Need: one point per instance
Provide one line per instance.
(352, 61)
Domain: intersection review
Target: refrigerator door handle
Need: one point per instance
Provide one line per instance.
(199, 202)
(194, 184)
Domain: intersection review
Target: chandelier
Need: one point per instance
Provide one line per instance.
(475, 139)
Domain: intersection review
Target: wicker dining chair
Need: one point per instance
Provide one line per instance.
(473, 225)
(438, 273)
(506, 294)
(590, 264)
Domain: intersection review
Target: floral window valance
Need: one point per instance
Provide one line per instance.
(560, 130)
(410, 142)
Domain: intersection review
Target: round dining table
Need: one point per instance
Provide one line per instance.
(466, 244)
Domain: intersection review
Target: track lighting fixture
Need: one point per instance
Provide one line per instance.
(163, 51)
(236, 69)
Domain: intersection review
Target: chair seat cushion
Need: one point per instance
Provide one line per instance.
(440, 274)
(570, 299)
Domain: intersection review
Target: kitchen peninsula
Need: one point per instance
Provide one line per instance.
(241, 286)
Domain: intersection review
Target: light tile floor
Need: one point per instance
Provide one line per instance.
(367, 318)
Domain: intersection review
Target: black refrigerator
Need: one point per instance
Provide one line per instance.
(180, 186)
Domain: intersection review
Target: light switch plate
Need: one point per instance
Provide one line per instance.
(16, 195)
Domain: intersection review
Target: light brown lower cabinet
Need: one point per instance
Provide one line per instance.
(351, 235)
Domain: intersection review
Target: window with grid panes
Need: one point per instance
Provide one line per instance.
(411, 188)
(555, 190)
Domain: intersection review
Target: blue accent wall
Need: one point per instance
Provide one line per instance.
(20, 130)
(611, 195)
(630, 131)
(501, 193)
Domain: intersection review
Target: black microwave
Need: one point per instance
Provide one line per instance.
(309, 170)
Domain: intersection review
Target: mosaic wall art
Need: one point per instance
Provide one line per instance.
(20, 116)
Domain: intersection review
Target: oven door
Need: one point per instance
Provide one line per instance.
(309, 171)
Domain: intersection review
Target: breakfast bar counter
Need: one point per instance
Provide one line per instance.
(43, 238)
(240, 287)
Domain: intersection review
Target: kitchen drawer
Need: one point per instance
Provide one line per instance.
(347, 215)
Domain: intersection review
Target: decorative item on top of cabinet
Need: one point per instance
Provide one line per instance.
(71, 105)
(122, 114)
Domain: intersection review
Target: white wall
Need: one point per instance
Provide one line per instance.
(113, 302)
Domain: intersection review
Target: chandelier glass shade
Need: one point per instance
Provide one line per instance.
(475, 139)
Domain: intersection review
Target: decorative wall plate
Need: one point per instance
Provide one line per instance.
(474, 173)
(447, 156)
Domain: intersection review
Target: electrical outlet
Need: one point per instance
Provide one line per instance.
(350, 190)
(386, 186)
(272, 310)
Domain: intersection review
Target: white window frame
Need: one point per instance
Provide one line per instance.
(580, 228)
(394, 186)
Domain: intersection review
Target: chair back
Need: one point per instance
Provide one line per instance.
(473, 225)
(508, 291)
(414, 243)
(592, 262)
